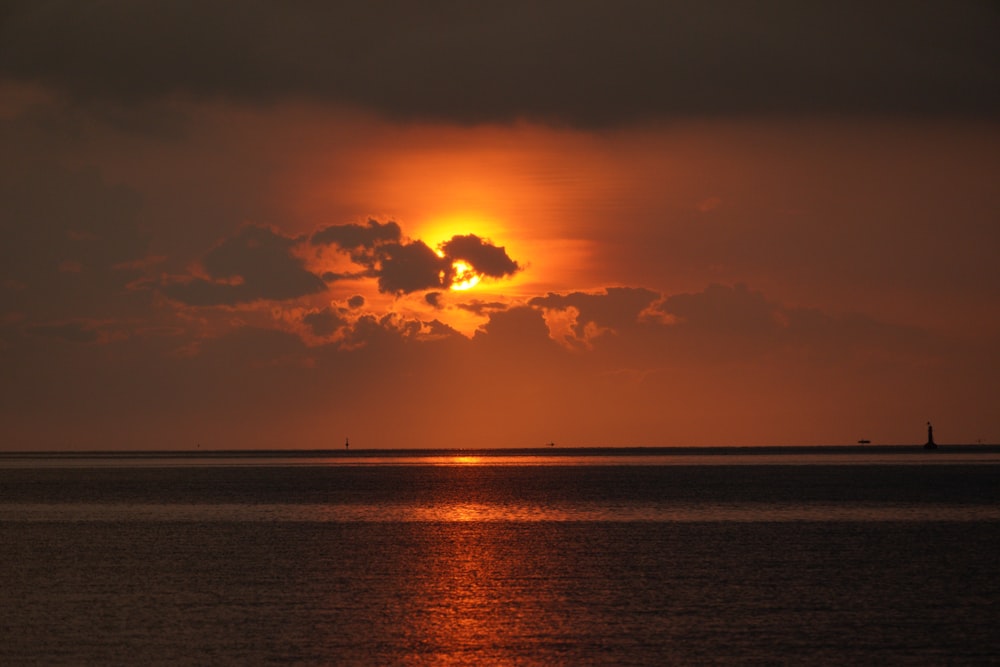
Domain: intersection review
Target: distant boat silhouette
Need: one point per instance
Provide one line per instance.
(930, 437)
(347, 443)
(864, 442)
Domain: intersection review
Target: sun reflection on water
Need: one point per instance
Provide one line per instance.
(470, 583)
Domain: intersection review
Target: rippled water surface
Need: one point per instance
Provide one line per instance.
(571, 562)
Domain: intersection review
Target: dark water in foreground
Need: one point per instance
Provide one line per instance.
(489, 561)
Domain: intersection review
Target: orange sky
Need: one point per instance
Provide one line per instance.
(186, 267)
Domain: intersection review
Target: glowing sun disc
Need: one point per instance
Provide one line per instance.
(465, 277)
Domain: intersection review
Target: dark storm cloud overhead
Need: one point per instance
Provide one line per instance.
(486, 258)
(256, 264)
(580, 62)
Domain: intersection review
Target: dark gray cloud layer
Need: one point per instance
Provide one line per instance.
(585, 62)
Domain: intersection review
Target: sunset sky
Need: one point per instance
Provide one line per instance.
(466, 224)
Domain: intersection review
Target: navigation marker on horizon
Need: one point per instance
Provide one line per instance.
(930, 437)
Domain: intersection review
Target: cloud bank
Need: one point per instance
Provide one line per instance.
(404, 266)
(584, 63)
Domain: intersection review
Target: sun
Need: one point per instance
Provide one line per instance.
(465, 277)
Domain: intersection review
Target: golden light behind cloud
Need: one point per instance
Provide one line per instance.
(465, 277)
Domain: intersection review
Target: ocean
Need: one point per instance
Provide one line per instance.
(589, 557)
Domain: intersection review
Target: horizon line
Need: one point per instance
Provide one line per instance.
(598, 450)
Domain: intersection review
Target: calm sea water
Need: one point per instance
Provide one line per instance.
(501, 560)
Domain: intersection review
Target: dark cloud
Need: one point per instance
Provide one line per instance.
(434, 299)
(518, 333)
(482, 307)
(615, 308)
(484, 257)
(515, 323)
(356, 301)
(323, 322)
(410, 267)
(581, 62)
(256, 264)
(369, 245)
(404, 266)
(73, 332)
(334, 276)
(353, 236)
(476, 306)
(382, 333)
(437, 330)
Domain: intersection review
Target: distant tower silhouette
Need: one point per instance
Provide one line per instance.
(930, 437)
(347, 443)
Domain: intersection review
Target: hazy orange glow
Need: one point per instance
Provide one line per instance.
(524, 188)
(673, 209)
(437, 231)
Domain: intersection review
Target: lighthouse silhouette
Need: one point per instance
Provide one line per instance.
(930, 437)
